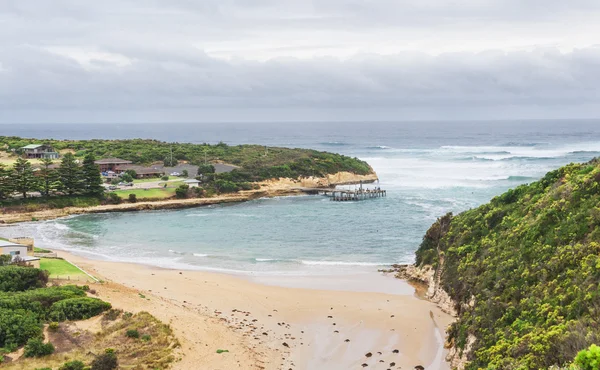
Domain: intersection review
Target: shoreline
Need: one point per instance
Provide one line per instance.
(269, 189)
(268, 326)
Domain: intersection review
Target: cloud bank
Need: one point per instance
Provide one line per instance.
(297, 60)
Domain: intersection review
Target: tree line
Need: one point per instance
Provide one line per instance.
(69, 178)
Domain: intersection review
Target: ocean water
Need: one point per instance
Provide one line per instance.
(427, 168)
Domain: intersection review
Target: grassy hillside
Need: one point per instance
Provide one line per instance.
(256, 162)
(525, 271)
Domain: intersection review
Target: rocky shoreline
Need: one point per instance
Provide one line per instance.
(268, 189)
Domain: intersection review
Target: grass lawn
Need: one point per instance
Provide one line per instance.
(157, 193)
(62, 269)
(153, 179)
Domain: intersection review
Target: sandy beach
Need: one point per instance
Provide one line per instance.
(287, 323)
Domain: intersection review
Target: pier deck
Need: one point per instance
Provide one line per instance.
(339, 195)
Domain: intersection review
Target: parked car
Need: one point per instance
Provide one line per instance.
(112, 187)
(128, 184)
(175, 174)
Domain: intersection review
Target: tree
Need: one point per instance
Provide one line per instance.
(92, 178)
(126, 177)
(6, 182)
(70, 175)
(181, 191)
(5, 259)
(48, 177)
(132, 173)
(184, 173)
(204, 169)
(24, 179)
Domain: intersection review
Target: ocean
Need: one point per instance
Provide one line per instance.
(427, 168)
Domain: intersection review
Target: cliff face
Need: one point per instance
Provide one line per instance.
(340, 178)
(521, 273)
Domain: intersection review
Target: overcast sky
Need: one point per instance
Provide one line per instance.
(290, 60)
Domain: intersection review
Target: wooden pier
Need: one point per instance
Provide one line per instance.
(339, 195)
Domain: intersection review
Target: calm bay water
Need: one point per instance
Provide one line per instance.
(428, 168)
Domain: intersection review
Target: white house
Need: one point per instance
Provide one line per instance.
(192, 183)
(18, 251)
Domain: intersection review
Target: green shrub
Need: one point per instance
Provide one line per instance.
(589, 359)
(132, 198)
(73, 365)
(146, 337)
(164, 178)
(113, 198)
(105, 361)
(182, 191)
(132, 333)
(39, 301)
(17, 327)
(113, 314)
(16, 278)
(53, 326)
(36, 347)
(77, 309)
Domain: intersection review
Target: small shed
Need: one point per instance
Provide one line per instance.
(192, 183)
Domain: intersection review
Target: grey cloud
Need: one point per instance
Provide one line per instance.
(169, 66)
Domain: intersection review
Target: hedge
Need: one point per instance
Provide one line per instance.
(16, 278)
(77, 309)
(17, 327)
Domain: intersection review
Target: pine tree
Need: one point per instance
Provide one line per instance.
(91, 176)
(6, 182)
(70, 175)
(48, 177)
(24, 179)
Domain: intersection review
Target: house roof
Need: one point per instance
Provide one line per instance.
(140, 170)
(112, 161)
(32, 146)
(4, 243)
(191, 181)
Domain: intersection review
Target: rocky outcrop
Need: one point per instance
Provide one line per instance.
(435, 293)
(427, 275)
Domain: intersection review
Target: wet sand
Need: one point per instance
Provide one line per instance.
(331, 322)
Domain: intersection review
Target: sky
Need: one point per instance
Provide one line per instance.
(298, 60)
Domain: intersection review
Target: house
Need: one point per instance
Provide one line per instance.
(192, 183)
(109, 164)
(141, 171)
(18, 252)
(36, 151)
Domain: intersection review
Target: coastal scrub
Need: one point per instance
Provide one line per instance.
(524, 271)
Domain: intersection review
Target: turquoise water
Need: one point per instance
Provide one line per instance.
(428, 169)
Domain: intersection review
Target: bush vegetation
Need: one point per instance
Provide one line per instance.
(254, 161)
(25, 305)
(15, 278)
(73, 365)
(77, 308)
(36, 347)
(524, 271)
